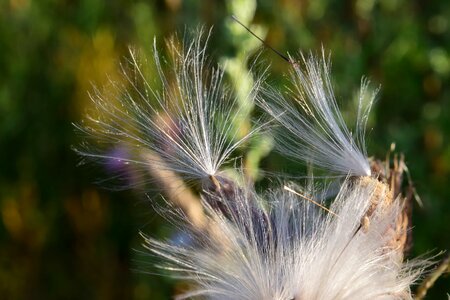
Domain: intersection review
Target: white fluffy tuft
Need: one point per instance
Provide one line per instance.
(316, 132)
(188, 122)
(292, 250)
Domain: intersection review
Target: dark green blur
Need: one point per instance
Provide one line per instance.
(64, 237)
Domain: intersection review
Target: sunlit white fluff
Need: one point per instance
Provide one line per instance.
(316, 132)
(292, 249)
(189, 122)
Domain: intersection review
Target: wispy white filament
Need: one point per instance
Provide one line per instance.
(293, 250)
(316, 132)
(189, 122)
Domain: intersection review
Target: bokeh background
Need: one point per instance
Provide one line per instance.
(64, 237)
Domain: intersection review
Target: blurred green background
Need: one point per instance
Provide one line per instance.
(63, 237)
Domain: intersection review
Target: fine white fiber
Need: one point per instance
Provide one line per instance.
(312, 127)
(292, 250)
(188, 123)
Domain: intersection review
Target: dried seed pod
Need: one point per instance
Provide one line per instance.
(390, 174)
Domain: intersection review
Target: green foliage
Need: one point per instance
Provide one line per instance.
(62, 237)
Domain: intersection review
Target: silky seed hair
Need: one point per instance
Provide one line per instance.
(291, 249)
(312, 128)
(186, 125)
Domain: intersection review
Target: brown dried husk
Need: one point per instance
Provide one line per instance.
(387, 180)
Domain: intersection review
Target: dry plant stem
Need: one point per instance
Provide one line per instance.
(176, 191)
(428, 282)
(310, 200)
(181, 196)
